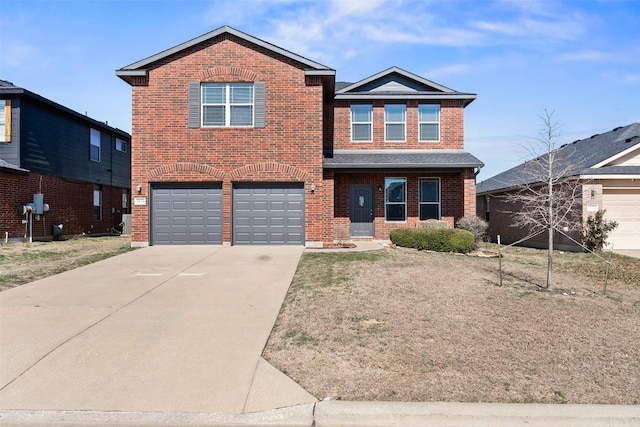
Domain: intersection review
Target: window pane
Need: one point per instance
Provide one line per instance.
(213, 93)
(395, 132)
(429, 190)
(241, 94)
(429, 211)
(429, 132)
(361, 132)
(241, 116)
(395, 212)
(429, 113)
(394, 189)
(213, 116)
(361, 113)
(394, 113)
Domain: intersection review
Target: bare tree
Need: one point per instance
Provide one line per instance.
(549, 198)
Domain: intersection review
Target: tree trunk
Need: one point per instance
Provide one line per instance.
(550, 261)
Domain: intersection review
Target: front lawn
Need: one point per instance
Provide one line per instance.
(402, 325)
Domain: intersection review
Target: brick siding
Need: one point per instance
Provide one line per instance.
(70, 203)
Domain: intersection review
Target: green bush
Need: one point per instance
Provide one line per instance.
(434, 239)
(596, 230)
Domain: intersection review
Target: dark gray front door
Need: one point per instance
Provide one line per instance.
(361, 210)
(268, 213)
(186, 214)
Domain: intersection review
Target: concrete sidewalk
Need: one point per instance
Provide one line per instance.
(170, 329)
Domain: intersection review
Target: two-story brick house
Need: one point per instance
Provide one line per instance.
(239, 141)
(80, 167)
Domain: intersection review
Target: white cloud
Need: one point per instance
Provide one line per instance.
(19, 56)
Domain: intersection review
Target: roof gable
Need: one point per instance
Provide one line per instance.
(395, 82)
(139, 68)
(580, 157)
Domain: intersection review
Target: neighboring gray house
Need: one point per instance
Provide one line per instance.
(608, 164)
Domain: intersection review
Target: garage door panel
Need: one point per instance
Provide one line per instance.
(268, 213)
(186, 213)
(623, 206)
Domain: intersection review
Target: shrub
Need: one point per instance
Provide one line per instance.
(596, 230)
(434, 239)
(475, 225)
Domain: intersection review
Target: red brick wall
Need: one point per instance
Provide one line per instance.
(70, 203)
(451, 128)
(451, 199)
(288, 148)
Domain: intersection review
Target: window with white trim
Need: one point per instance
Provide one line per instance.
(429, 198)
(429, 122)
(361, 122)
(227, 104)
(121, 145)
(97, 202)
(5, 120)
(395, 119)
(94, 146)
(395, 199)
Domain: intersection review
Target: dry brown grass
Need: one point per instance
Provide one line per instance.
(403, 325)
(22, 263)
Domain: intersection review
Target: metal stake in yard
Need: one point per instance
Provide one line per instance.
(606, 274)
(500, 260)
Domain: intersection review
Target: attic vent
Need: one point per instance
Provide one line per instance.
(618, 128)
(577, 140)
(632, 138)
(593, 136)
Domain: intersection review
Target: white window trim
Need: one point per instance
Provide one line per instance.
(227, 106)
(403, 123)
(395, 203)
(438, 122)
(123, 145)
(370, 123)
(94, 137)
(97, 198)
(439, 202)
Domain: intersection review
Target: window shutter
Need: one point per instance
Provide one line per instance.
(259, 104)
(194, 104)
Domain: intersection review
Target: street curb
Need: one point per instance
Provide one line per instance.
(330, 413)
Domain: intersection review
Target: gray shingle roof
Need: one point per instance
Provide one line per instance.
(400, 159)
(576, 158)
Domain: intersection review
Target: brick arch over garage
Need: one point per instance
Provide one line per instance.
(185, 171)
(269, 172)
(227, 74)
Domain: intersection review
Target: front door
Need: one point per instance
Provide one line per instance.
(361, 210)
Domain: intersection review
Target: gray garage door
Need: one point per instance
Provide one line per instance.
(186, 214)
(268, 213)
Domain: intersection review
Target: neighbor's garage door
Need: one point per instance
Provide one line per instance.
(268, 213)
(623, 206)
(186, 214)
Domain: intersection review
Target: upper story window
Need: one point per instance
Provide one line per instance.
(361, 119)
(395, 199)
(121, 145)
(94, 146)
(429, 122)
(5, 120)
(429, 198)
(395, 116)
(227, 104)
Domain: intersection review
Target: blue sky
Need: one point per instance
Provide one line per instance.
(578, 58)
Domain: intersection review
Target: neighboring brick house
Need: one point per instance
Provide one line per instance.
(236, 140)
(79, 167)
(608, 168)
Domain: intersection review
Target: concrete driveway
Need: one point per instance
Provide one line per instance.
(177, 329)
